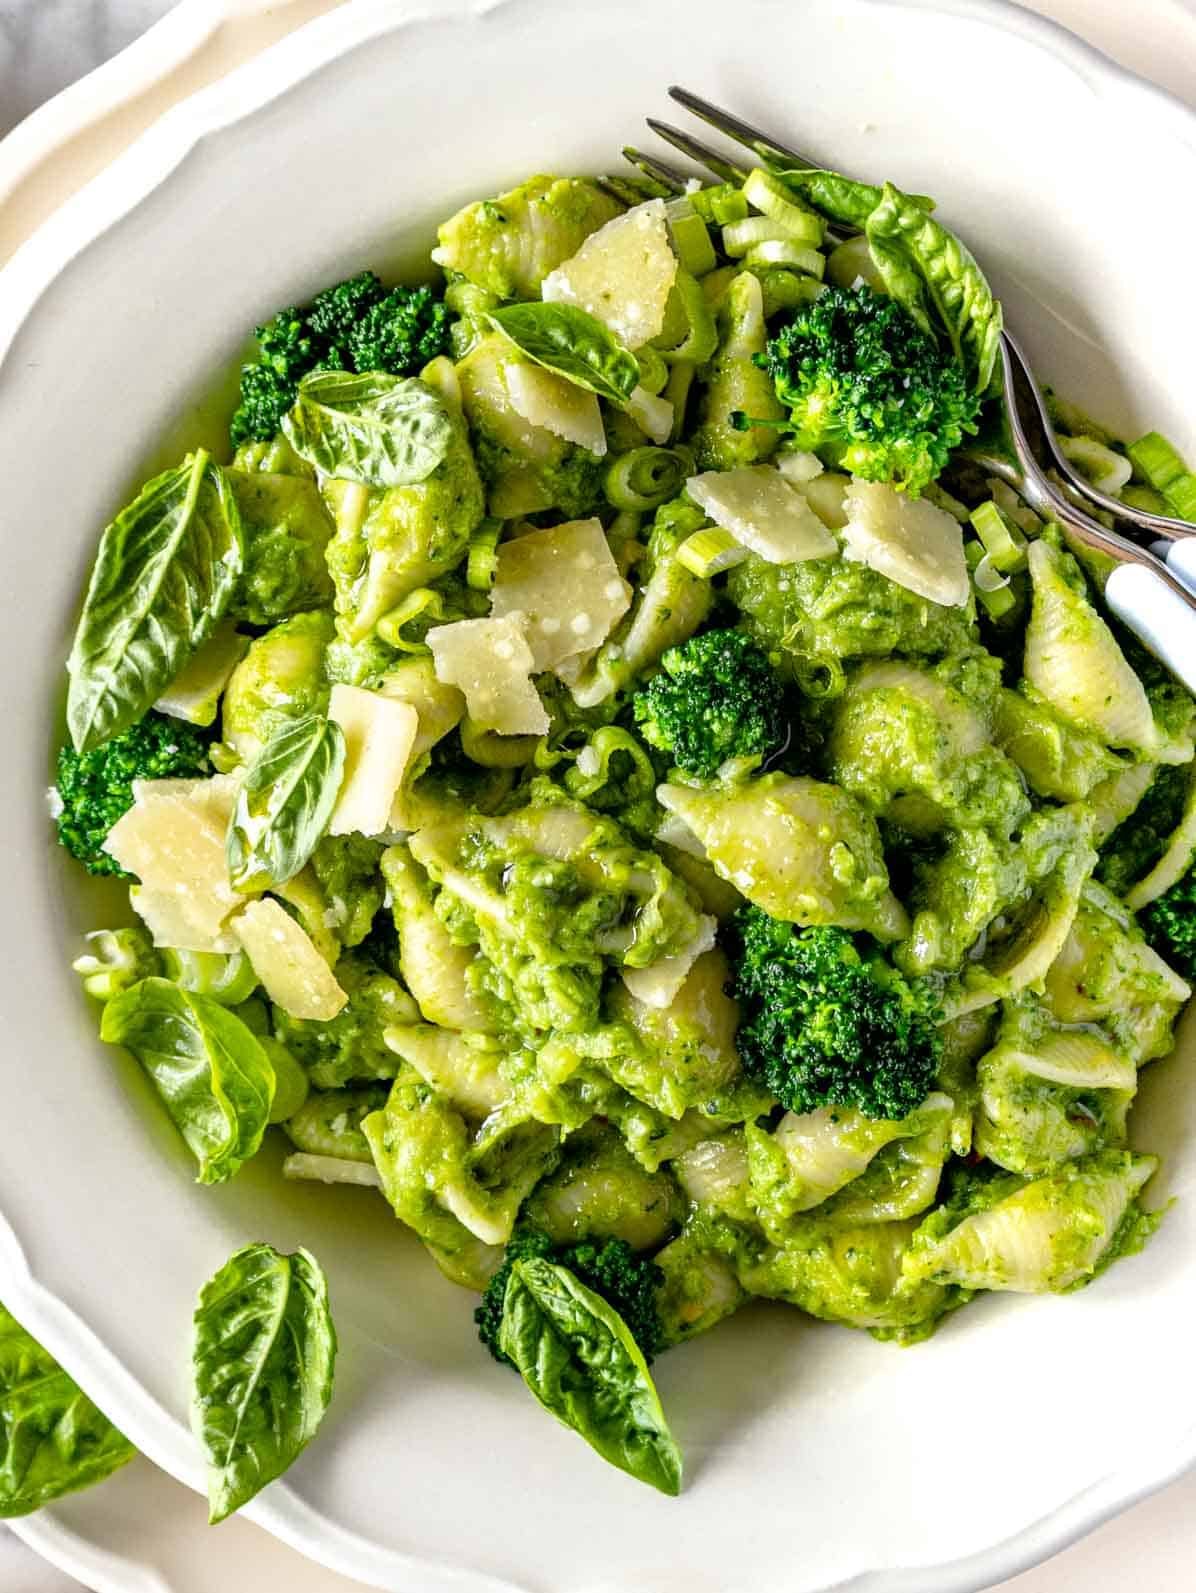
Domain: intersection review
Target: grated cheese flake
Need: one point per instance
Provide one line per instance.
(380, 734)
(565, 581)
(172, 839)
(194, 693)
(499, 693)
(543, 398)
(763, 512)
(622, 274)
(916, 544)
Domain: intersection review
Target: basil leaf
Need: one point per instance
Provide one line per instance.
(926, 267)
(285, 802)
(375, 429)
(574, 344)
(207, 1065)
(53, 1440)
(163, 576)
(577, 1355)
(262, 1362)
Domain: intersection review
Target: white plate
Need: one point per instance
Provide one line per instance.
(815, 1456)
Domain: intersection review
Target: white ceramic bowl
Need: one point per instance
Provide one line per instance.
(816, 1458)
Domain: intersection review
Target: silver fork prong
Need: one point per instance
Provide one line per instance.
(1157, 525)
(734, 127)
(725, 170)
(659, 170)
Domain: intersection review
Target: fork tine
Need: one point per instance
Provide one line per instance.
(726, 171)
(658, 170)
(742, 132)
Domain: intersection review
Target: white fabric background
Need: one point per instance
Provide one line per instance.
(46, 44)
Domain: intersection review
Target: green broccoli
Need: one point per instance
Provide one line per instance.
(868, 389)
(357, 325)
(1169, 923)
(95, 788)
(716, 697)
(825, 1023)
(624, 1280)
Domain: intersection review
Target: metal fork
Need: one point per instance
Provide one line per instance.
(1155, 596)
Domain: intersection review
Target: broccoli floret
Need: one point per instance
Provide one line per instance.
(357, 325)
(95, 788)
(624, 1280)
(825, 1023)
(400, 333)
(1169, 923)
(716, 697)
(869, 389)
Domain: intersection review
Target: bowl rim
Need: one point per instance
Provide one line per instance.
(84, 218)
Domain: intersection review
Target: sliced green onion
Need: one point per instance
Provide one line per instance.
(482, 563)
(740, 236)
(768, 194)
(781, 252)
(1107, 470)
(422, 602)
(720, 204)
(494, 751)
(852, 262)
(1139, 497)
(1003, 542)
(654, 373)
(711, 551)
(691, 240)
(681, 377)
(785, 290)
(996, 601)
(690, 309)
(1154, 458)
(647, 477)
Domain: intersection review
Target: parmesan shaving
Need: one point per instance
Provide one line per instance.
(293, 974)
(172, 839)
(380, 734)
(622, 274)
(566, 584)
(194, 693)
(763, 512)
(910, 540)
(545, 399)
(652, 414)
(492, 663)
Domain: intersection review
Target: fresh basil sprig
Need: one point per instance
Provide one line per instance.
(924, 266)
(206, 1064)
(577, 1355)
(379, 430)
(53, 1440)
(285, 802)
(164, 575)
(574, 344)
(263, 1359)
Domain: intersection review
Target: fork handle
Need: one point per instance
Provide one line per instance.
(1157, 615)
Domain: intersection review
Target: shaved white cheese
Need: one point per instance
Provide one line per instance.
(545, 399)
(172, 839)
(194, 693)
(622, 274)
(492, 663)
(763, 512)
(171, 921)
(380, 734)
(657, 984)
(798, 466)
(652, 414)
(566, 584)
(917, 545)
(293, 974)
